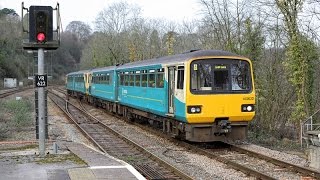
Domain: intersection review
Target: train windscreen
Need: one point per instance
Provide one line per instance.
(220, 76)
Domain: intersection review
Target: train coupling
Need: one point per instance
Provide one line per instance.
(223, 127)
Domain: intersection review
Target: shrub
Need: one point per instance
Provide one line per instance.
(19, 111)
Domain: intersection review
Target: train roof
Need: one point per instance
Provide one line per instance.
(163, 60)
(178, 58)
(78, 72)
(109, 68)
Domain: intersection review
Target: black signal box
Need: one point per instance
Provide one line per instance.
(40, 24)
(41, 32)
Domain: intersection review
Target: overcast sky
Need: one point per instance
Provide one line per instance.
(86, 11)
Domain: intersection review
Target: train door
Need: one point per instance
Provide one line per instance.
(73, 82)
(89, 82)
(116, 80)
(171, 86)
(86, 83)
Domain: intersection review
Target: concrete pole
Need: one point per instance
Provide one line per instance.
(41, 105)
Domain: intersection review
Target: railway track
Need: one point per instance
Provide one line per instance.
(255, 164)
(10, 92)
(280, 166)
(244, 160)
(111, 142)
(251, 163)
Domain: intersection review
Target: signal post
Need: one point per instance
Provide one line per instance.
(40, 39)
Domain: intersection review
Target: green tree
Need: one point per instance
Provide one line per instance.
(300, 57)
(12, 58)
(253, 41)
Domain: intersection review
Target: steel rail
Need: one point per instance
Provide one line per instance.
(8, 93)
(246, 170)
(303, 170)
(195, 149)
(292, 167)
(73, 121)
(150, 154)
(141, 149)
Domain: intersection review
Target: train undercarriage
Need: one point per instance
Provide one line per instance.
(221, 130)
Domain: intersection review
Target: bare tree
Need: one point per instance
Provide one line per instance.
(115, 18)
(80, 29)
(223, 23)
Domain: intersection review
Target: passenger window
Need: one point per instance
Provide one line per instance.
(126, 80)
(121, 79)
(107, 79)
(151, 80)
(180, 77)
(131, 80)
(137, 80)
(159, 80)
(144, 80)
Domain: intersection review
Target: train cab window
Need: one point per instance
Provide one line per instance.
(151, 80)
(240, 76)
(220, 76)
(180, 77)
(201, 76)
(159, 80)
(144, 80)
(137, 80)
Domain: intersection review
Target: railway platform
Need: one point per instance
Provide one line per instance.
(23, 164)
(101, 166)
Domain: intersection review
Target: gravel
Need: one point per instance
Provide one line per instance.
(290, 158)
(197, 166)
(60, 129)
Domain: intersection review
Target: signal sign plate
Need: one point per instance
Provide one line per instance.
(41, 80)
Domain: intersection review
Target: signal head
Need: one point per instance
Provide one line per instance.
(40, 24)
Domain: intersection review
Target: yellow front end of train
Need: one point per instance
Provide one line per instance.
(221, 107)
(220, 98)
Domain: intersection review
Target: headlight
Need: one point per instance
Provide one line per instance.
(247, 108)
(194, 109)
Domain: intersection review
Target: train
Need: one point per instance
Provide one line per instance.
(197, 96)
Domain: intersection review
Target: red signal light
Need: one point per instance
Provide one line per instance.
(41, 37)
